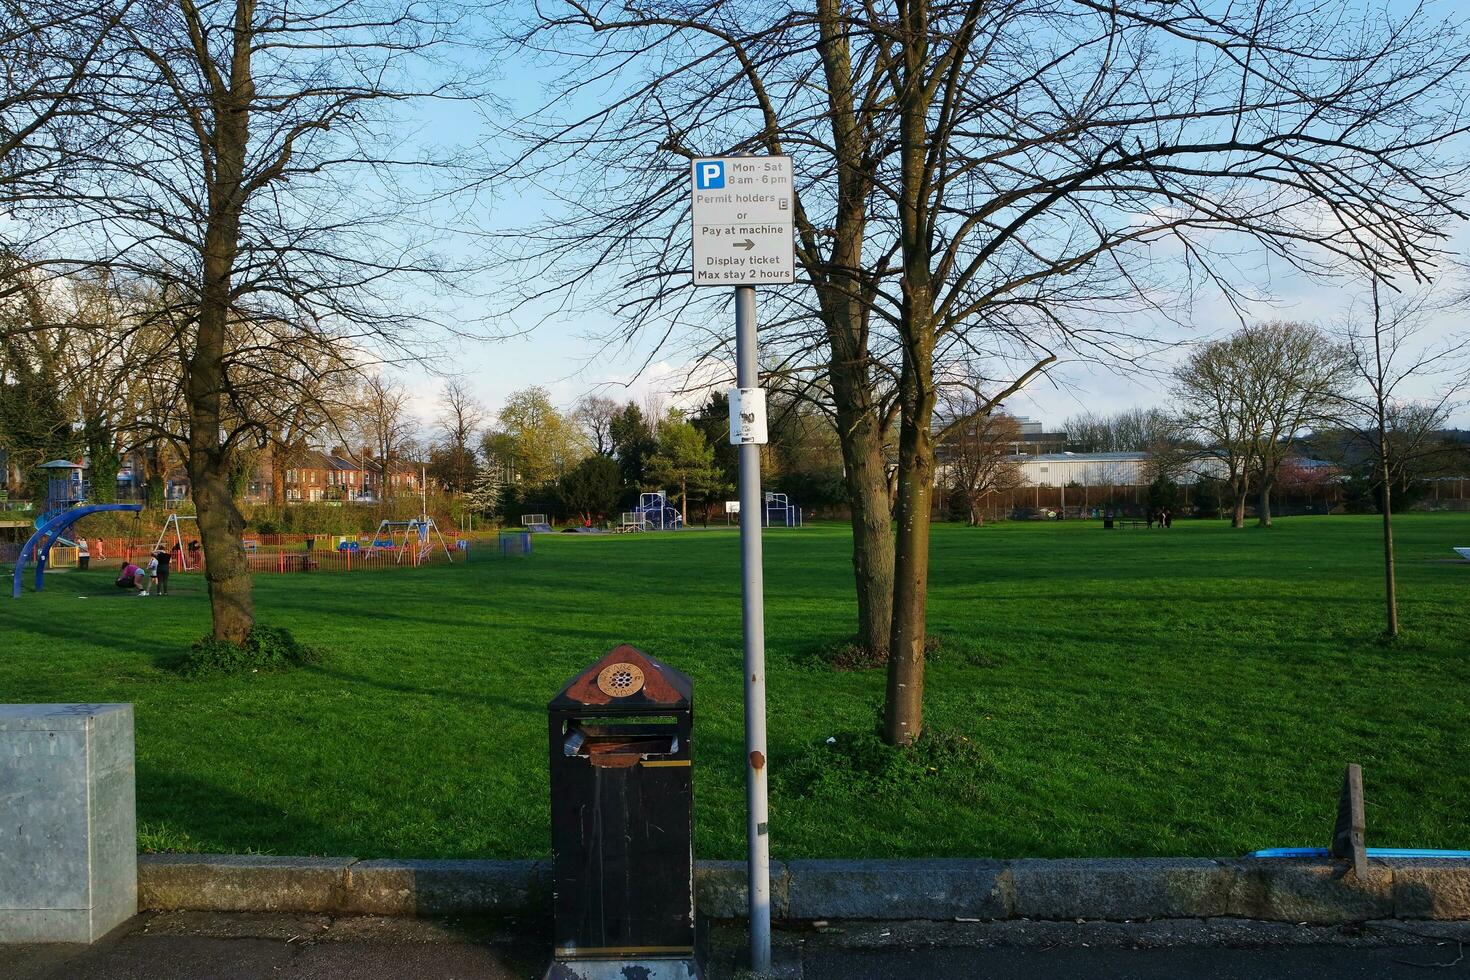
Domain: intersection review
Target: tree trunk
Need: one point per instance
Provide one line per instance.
(1239, 489)
(872, 525)
(904, 708)
(1263, 500)
(903, 719)
(1390, 584)
(220, 522)
(104, 462)
(861, 441)
(278, 479)
(843, 295)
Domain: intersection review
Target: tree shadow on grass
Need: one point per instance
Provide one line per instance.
(474, 698)
(210, 818)
(87, 633)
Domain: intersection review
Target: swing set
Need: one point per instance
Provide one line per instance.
(179, 549)
(408, 537)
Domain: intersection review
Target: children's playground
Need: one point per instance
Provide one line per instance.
(655, 513)
(53, 545)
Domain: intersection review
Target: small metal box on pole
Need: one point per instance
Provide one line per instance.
(622, 822)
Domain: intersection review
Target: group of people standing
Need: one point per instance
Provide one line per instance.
(149, 579)
(1163, 517)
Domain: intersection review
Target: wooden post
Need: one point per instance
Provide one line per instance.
(1348, 835)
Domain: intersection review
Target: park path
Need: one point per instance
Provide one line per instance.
(204, 946)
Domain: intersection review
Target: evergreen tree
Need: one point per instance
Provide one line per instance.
(683, 460)
(633, 443)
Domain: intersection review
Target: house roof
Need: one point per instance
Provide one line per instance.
(1084, 458)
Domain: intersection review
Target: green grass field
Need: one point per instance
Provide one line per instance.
(1191, 692)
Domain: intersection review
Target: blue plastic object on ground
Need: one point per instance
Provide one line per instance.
(1378, 852)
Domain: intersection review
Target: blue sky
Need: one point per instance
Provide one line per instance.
(557, 355)
(552, 351)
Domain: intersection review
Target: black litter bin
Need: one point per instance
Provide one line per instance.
(622, 822)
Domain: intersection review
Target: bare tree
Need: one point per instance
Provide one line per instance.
(113, 359)
(1387, 354)
(1295, 377)
(57, 60)
(251, 165)
(386, 428)
(979, 458)
(595, 413)
(728, 77)
(1024, 181)
(292, 388)
(1135, 430)
(1040, 169)
(1213, 393)
(1249, 397)
(461, 416)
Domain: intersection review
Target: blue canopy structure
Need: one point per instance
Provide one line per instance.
(39, 544)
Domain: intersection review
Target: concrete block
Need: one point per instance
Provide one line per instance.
(68, 821)
(242, 883)
(392, 887)
(1430, 888)
(918, 888)
(721, 890)
(1316, 892)
(1144, 888)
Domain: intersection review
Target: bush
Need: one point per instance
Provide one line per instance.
(266, 648)
(860, 764)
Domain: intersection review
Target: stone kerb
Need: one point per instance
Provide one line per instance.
(1316, 892)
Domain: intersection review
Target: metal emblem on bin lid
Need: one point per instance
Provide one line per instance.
(620, 680)
(626, 680)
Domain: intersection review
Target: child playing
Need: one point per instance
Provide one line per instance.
(127, 575)
(152, 578)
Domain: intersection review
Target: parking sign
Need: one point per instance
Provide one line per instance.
(710, 175)
(744, 230)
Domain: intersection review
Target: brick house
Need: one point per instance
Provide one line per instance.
(339, 476)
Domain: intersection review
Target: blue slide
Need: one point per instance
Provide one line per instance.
(48, 532)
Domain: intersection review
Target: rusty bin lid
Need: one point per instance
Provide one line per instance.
(627, 680)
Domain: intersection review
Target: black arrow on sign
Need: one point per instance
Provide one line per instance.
(747, 244)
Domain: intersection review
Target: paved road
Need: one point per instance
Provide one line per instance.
(186, 946)
(1071, 963)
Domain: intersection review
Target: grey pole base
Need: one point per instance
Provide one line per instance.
(644, 969)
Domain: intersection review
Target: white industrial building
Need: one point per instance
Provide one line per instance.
(1105, 469)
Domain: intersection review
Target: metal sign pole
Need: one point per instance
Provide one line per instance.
(740, 211)
(753, 618)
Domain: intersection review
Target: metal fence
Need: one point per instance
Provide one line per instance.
(274, 553)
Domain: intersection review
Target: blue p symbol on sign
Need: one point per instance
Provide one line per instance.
(709, 175)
